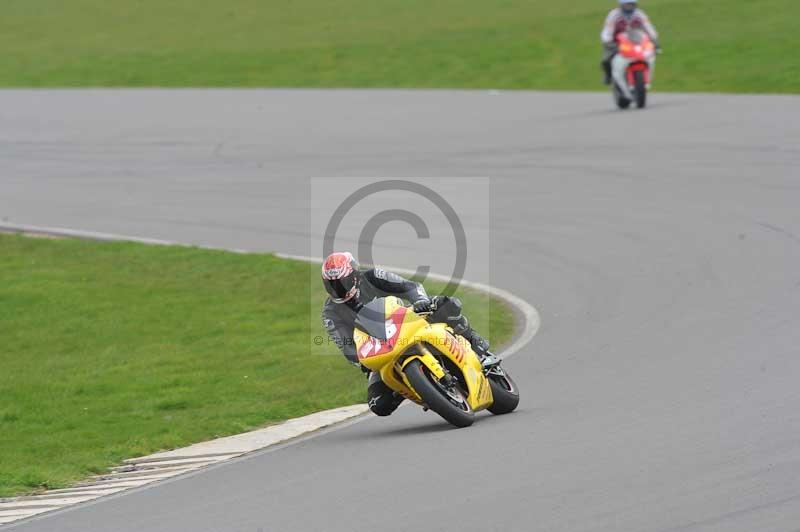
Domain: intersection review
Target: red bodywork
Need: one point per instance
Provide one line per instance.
(374, 346)
(638, 51)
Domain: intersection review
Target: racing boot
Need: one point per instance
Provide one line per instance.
(448, 310)
(381, 399)
(606, 72)
(481, 347)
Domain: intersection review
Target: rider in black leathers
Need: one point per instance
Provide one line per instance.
(350, 288)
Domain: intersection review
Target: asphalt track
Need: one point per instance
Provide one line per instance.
(662, 249)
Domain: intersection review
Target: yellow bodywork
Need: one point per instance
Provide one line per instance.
(412, 339)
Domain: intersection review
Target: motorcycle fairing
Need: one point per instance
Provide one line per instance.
(379, 325)
(461, 353)
(401, 336)
(636, 52)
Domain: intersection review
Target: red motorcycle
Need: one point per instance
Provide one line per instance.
(632, 68)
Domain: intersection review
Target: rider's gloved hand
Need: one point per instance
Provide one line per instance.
(423, 305)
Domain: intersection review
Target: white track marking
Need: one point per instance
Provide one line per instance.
(137, 472)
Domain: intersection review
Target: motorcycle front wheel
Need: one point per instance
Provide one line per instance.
(640, 89)
(450, 403)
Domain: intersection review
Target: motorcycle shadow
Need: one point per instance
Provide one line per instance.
(434, 426)
(431, 427)
(610, 110)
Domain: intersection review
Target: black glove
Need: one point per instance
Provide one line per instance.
(423, 305)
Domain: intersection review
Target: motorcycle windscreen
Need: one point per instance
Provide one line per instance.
(372, 318)
(636, 36)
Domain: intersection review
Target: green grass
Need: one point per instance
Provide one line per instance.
(114, 350)
(713, 45)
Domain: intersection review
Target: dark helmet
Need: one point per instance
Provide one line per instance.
(340, 276)
(628, 6)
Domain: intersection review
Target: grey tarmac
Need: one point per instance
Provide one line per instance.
(661, 247)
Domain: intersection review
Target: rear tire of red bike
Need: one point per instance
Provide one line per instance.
(641, 89)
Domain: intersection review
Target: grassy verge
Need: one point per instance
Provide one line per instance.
(113, 350)
(714, 45)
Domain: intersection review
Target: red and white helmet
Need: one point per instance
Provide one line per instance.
(340, 276)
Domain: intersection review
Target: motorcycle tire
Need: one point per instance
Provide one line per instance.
(436, 396)
(504, 392)
(640, 89)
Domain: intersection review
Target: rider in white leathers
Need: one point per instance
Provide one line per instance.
(623, 18)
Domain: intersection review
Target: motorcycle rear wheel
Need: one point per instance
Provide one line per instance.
(504, 392)
(455, 410)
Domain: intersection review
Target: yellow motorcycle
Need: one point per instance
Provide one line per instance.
(428, 364)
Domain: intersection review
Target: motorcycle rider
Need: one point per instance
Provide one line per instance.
(350, 289)
(621, 19)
